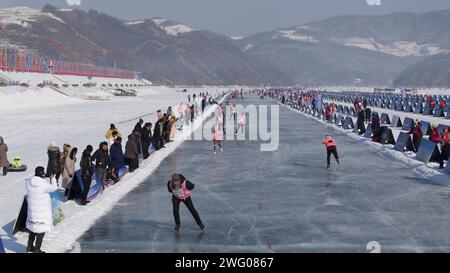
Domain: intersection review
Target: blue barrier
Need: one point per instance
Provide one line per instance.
(387, 137)
(368, 133)
(447, 168)
(385, 119)
(427, 151)
(439, 113)
(348, 123)
(2, 248)
(338, 121)
(426, 127)
(396, 121)
(408, 124)
(404, 143)
(441, 128)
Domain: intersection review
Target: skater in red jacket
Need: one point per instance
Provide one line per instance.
(331, 149)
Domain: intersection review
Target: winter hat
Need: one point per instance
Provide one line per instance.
(327, 137)
(40, 172)
(141, 121)
(175, 177)
(112, 126)
(89, 148)
(53, 144)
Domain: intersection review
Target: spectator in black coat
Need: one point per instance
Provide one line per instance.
(132, 153)
(159, 131)
(54, 163)
(138, 126)
(86, 173)
(101, 158)
(146, 139)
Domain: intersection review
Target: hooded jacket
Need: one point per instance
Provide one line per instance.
(69, 170)
(131, 148)
(54, 157)
(101, 158)
(86, 164)
(39, 217)
(3, 154)
(117, 157)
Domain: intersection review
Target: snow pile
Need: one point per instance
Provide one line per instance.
(399, 48)
(177, 29)
(19, 98)
(134, 22)
(291, 35)
(23, 15)
(171, 28)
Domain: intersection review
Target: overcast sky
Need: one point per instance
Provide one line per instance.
(239, 17)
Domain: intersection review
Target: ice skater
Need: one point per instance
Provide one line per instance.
(217, 139)
(181, 188)
(331, 149)
(241, 123)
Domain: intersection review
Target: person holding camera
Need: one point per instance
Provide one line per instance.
(86, 173)
(39, 217)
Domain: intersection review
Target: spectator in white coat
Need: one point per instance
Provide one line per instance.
(39, 219)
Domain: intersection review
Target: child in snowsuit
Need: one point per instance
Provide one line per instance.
(331, 149)
(217, 139)
(181, 188)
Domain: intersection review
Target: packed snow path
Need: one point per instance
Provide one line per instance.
(282, 201)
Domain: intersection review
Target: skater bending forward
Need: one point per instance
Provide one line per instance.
(217, 139)
(181, 188)
(331, 149)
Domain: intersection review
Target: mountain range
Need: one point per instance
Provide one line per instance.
(401, 49)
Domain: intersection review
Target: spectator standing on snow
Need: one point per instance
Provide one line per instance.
(360, 123)
(417, 135)
(132, 153)
(64, 155)
(86, 173)
(111, 132)
(54, 160)
(331, 149)
(138, 126)
(192, 110)
(69, 170)
(39, 214)
(203, 103)
(181, 189)
(146, 139)
(4, 163)
(102, 162)
(437, 139)
(328, 113)
(159, 131)
(116, 155)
